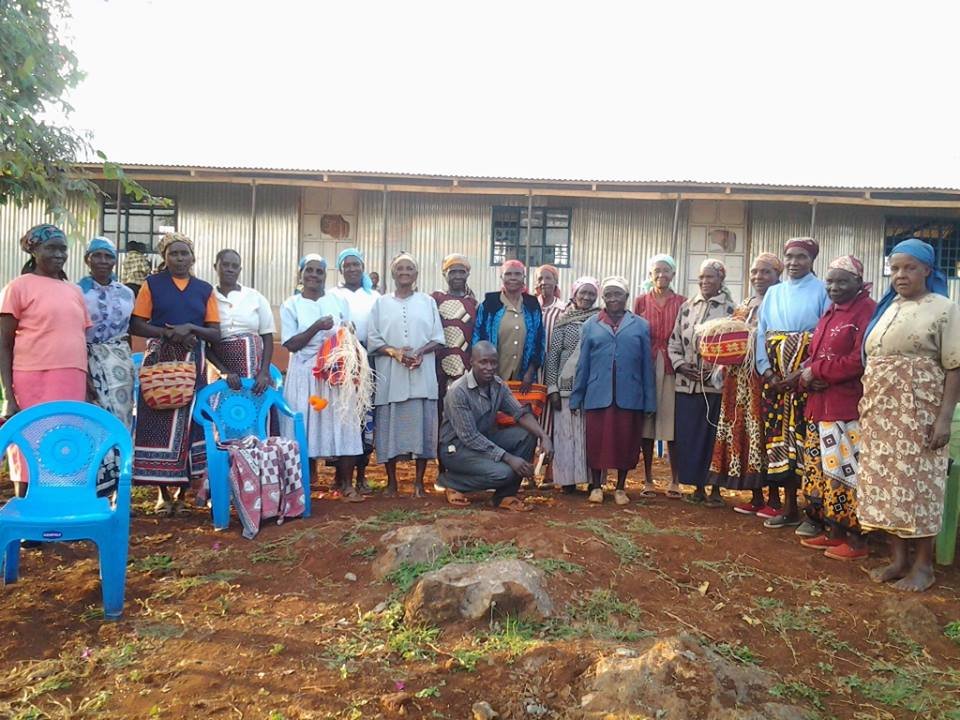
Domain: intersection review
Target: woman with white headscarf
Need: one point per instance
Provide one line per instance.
(563, 354)
(403, 334)
(307, 320)
(614, 386)
(698, 386)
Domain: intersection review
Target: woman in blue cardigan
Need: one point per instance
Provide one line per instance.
(511, 319)
(615, 386)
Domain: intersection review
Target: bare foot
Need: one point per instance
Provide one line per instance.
(390, 492)
(893, 571)
(418, 491)
(917, 580)
(363, 487)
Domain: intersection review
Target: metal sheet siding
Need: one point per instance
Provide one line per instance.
(278, 242)
(14, 222)
(608, 237)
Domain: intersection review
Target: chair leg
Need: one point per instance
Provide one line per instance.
(113, 574)
(219, 496)
(305, 463)
(11, 562)
(947, 539)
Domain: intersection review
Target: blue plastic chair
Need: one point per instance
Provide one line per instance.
(277, 377)
(63, 445)
(237, 414)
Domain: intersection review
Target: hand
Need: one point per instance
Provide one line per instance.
(555, 402)
(526, 381)
(939, 434)
(411, 359)
(520, 466)
(263, 381)
(688, 371)
(91, 391)
(10, 408)
(324, 323)
(806, 376)
(546, 444)
(233, 381)
(818, 385)
(181, 334)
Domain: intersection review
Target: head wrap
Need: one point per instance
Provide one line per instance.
(556, 276)
(936, 280)
(582, 282)
(770, 259)
(365, 282)
(454, 259)
(513, 265)
(403, 255)
(614, 281)
(311, 257)
(171, 238)
(849, 263)
(647, 285)
(714, 264)
(100, 243)
(807, 244)
(39, 234)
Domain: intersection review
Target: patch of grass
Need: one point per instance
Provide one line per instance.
(644, 526)
(407, 574)
(903, 690)
(624, 547)
(738, 653)
(600, 615)
(601, 605)
(952, 631)
(397, 516)
(367, 553)
(510, 637)
(767, 603)
(152, 563)
(798, 691)
(551, 566)
(428, 692)
(281, 550)
(115, 657)
(413, 642)
(162, 631)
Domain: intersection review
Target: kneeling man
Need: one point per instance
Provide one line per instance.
(476, 454)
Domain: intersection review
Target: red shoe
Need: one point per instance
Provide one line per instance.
(821, 542)
(747, 508)
(845, 552)
(767, 512)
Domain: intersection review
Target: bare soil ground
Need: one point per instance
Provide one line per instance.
(221, 627)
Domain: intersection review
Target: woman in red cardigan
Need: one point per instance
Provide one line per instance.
(832, 446)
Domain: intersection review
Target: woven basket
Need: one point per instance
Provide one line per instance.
(536, 399)
(726, 342)
(168, 385)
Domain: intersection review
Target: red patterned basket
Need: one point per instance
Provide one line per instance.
(725, 342)
(536, 399)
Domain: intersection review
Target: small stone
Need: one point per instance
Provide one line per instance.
(483, 711)
(350, 577)
(536, 709)
(380, 607)
(625, 652)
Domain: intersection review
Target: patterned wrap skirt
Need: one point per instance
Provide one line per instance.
(902, 481)
(784, 424)
(739, 459)
(831, 464)
(111, 373)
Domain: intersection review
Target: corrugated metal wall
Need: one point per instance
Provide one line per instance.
(840, 229)
(14, 222)
(214, 215)
(607, 236)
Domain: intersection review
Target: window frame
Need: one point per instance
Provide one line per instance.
(946, 246)
(167, 215)
(520, 211)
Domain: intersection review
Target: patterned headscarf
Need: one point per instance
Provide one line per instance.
(101, 243)
(403, 255)
(768, 259)
(365, 282)
(454, 259)
(39, 234)
(849, 263)
(807, 244)
(513, 265)
(647, 285)
(556, 276)
(313, 257)
(585, 281)
(936, 280)
(714, 264)
(171, 238)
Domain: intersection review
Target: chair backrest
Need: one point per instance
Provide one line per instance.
(63, 445)
(276, 376)
(236, 413)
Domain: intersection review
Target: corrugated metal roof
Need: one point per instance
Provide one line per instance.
(367, 174)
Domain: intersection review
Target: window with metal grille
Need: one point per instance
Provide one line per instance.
(548, 241)
(942, 234)
(137, 221)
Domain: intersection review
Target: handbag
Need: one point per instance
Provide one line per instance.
(536, 398)
(168, 384)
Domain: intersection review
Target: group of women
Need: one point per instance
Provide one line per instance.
(842, 404)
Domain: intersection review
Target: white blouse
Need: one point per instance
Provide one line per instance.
(360, 303)
(244, 311)
(298, 313)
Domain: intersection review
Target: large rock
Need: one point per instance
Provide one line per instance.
(407, 546)
(473, 592)
(680, 679)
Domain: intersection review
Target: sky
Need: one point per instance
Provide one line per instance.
(824, 93)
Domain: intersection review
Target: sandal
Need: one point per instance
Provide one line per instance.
(515, 504)
(648, 493)
(457, 498)
(352, 497)
(163, 508)
(674, 495)
(620, 497)
(711, 502)
(179, 509)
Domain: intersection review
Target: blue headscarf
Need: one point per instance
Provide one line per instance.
(936, 280)
(365, 282)
(98, 243)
